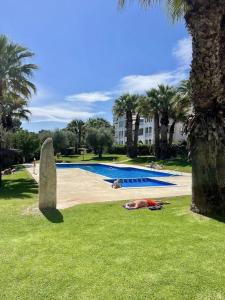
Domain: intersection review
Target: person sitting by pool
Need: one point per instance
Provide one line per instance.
(144, 203)
(117, 184)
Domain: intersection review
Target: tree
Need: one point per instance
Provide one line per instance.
(97, 123)
(180, 107)
(14, 73)
(165, 96)
(78, 128)
(152, 110)
(27, 142)
(13, 110)
(126, 105)
(99, 138)
(60, 140)
(205, 20)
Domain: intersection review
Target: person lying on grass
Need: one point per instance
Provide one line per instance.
(144, 203)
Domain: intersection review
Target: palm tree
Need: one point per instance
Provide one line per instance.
(165, 96)
(180, 106)
(126, 105)
(152, 110)
(77, 127)
(180, 109)
(14, 73)
(205, 20)
(13, 109)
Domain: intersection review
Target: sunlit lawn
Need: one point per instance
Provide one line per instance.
(102, 251)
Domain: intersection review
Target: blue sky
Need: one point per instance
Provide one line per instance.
(89, 52)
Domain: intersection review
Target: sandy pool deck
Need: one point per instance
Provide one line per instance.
(76, 186)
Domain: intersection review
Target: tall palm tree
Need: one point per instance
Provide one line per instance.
(165, 96)
(180, 109)
(180, 106)
(205, 20)
(14, 72)
(153, 111)
(126, 105)
(77, 127)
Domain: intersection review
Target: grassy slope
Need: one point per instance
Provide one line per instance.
(101, 251)
(177, 164)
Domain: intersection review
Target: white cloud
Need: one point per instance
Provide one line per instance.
(183, 53)
(56, 113)
(90, 97)
(82, 105)
(43, 93)
(140, 83)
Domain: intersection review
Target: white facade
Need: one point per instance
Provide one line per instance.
(146, 131)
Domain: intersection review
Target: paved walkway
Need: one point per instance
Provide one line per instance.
(75, 186)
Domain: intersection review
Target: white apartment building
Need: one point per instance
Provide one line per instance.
(146, 131)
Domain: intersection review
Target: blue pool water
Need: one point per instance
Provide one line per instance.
(130, 176)
(115, 172)
(140, 182)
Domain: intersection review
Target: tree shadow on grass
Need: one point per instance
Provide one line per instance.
(18, 188)
(107, 158)
(53, 215)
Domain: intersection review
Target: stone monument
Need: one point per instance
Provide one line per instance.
(47, 176)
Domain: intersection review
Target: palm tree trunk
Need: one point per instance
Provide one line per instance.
(164, 153)
(136, 132)
(171, 133)
(129, 126)
(156, 134)
(206, 128)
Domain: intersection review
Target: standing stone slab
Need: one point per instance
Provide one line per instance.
(47, 176)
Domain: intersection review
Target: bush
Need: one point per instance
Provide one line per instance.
(179, 149)
(118, 149)
(144, 149)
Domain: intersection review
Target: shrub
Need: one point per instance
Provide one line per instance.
(118, 149)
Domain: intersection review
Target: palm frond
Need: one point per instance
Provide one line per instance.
(145, 3)
(176, 8)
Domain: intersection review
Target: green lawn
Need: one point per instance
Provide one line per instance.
(102, 251)
(177, 164)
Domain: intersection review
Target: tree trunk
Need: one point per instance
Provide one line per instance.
(129, 126)
(156, 134)
(206, 127)
(164, 153)
(100, 153)
(136, 132)
(79, 138)
(171, 133)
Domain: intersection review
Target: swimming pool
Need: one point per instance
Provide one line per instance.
(140, 182)
(115, 172)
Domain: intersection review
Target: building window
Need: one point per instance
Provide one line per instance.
(141, 121)
(120, 134)
(150, 130)
(121, 123)
(148, 120)
(141, 131)
(146, 130)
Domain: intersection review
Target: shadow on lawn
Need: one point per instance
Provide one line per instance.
(19, 188)
(53, 215)
(107, 158)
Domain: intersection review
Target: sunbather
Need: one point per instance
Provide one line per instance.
(144, 203)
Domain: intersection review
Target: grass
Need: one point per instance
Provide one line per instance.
(176, 164)
(102, 251)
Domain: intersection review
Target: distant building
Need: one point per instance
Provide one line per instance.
(146, 131)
